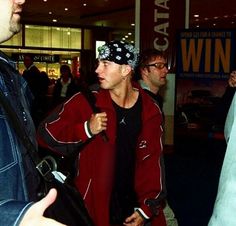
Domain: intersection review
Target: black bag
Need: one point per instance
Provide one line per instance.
(69, 206)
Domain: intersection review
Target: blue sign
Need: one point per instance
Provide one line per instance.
(206, 53)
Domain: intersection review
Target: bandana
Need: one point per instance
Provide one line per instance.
(119, 52)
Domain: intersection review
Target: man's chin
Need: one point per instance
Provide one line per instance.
(102, 86)
(15, 26)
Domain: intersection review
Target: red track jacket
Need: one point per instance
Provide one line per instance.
(64, 131)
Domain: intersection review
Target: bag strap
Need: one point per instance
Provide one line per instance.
(91, 99)
(42, 165)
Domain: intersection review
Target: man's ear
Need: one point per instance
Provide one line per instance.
(126, 69)
(144, 71)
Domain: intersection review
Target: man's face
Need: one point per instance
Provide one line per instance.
(110, 74)
(157, 71)
(28, 61)
(10, 18)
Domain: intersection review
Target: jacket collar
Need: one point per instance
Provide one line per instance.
(6, 59)
(152, 109)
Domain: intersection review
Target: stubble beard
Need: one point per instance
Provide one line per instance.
(15, 25)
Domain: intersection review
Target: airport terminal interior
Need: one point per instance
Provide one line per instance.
(63, 31)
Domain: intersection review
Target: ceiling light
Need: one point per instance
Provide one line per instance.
(54, 20)
(66, 9)
(129, 33)
(132, 25)
(45, 0)
(50, 13)
(196, 15)
(215, 17)
(85, 4)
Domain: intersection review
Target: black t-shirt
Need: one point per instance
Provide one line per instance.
(123, 198)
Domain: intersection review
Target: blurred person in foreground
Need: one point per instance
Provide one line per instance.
(18, 175)
(225, 203)
(119, 178)
(151, 74)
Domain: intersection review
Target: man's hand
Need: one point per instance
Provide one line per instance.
(98, 123)
(34, 215)
(232, 79)
(134, 220)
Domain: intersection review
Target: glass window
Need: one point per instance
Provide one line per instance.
(75, 37)
(37, 36)
(87, 38)
(52, 37)
(16, 40)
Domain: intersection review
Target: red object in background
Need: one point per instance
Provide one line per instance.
(75, 67)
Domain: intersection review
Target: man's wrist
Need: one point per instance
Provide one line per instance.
(142, 214)
(87, 129)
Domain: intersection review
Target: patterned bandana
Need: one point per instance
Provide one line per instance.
(119, 52)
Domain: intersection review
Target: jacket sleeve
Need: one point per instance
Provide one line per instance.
(12, 211)
(64, 130)
(148, 176)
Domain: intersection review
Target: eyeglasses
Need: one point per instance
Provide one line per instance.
(157, 65)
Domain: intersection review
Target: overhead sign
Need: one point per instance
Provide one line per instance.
(159, 20)
(38, 57)
(206, 53)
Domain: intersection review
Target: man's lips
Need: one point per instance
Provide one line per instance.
(18, 10)
(100, 79)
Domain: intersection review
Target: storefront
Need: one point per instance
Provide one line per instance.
(50, 46)
(50, 63)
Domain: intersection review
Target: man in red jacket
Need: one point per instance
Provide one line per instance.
(118, 178)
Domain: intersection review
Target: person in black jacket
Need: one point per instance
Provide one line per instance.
(31, 74)
(65, 87)
(38, 83)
